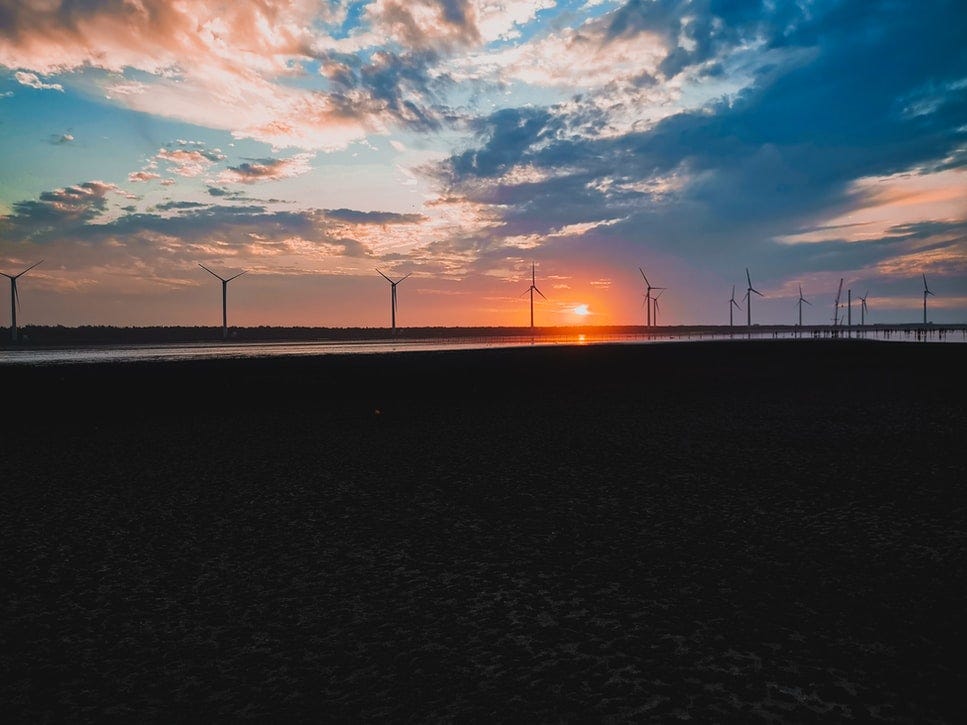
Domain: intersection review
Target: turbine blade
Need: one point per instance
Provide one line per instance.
(404, 277)
(237, 275)
(539, 292)
(807, 302)
(748, 277)
(757, 292)
(30, 267)
(209, 271)
(643, 274)
(384, 276)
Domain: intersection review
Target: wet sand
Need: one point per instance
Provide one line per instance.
(728, 532)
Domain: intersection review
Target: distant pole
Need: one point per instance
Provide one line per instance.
(849, 308)
(839, 294)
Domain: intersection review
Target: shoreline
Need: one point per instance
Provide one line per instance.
(39, 336)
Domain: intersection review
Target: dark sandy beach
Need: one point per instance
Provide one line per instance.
(727, 532)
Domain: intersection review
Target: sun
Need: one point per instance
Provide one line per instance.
(581, 310)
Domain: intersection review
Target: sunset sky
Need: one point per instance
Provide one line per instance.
(463, 140)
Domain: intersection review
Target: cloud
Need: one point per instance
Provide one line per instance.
(142, 176)
(79, 223)
(729, 179)
(373, 217)
(31, 80)
(59, 209)
(249, 67)
(231, 66)
(189, 162)
(267, 169)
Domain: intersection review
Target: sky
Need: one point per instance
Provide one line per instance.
(310, 143)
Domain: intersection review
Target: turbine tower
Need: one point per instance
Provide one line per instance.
(224, 296)
(926, 291)
(392, 296)
(732, 303)
(648, 297)
(839, 294)
(532, 289)
(801, 300)
(849, 307)
(15, 298)
(863, 308)
(748, 298)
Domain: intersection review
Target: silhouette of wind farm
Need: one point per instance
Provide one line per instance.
(800, 303)
(748, 298)
(41, 334)
(532, 289)
(15, 298)
(648, 298)
(926, 291)
(733, 305)
(225, 281)
(393, 303)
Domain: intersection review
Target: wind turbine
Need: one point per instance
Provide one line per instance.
(648, 297)
(655, 302)
(863, 308)
(392, 296)
(926, 291)
(732, 303)
(748, 298)
(849, 307)
(839, 293)
(532, 289)
(224, 296)
(801, 300)
(15, 298)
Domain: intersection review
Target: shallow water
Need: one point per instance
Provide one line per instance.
(230, 349)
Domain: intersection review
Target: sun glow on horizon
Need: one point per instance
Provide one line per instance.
(581, 310)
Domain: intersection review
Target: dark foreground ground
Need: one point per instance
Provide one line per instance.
(733, 532)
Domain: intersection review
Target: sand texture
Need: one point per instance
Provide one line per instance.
(726, 532)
